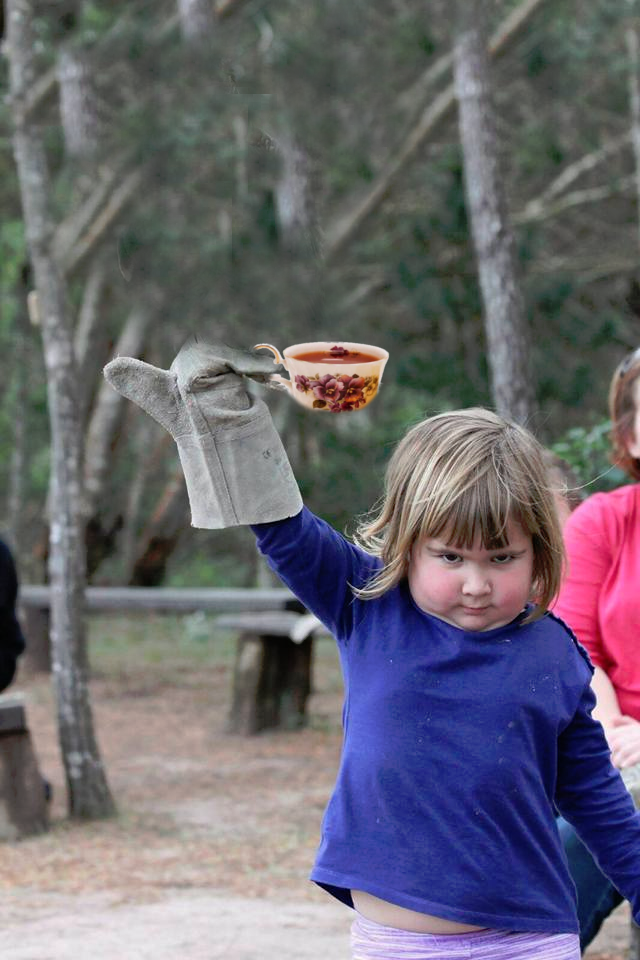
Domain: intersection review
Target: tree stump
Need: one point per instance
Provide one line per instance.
(23, 805)
(272, 674)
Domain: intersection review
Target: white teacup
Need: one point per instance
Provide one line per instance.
(331, 375)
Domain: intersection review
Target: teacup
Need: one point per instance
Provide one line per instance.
(333, 375)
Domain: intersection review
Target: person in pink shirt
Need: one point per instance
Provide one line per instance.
(600, 600)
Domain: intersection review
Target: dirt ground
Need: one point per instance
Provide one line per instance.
(209, 854)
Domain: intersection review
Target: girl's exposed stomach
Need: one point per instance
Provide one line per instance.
(391, 915)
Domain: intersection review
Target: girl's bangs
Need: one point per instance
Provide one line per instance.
(481, 512)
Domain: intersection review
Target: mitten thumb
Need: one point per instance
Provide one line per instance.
(153, 389)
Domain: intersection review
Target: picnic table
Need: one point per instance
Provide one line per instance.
(273, 668)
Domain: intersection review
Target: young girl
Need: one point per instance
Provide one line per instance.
(467, 714)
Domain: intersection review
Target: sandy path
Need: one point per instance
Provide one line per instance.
(197, 925)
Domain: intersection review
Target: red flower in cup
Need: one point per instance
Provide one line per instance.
(329, 389)
(344, 392)
(303, 384)
(353, 396)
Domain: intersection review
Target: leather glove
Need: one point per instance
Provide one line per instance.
(233, 460)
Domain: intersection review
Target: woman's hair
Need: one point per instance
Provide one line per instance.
(622, 411)
(565, 485)
(463, 475)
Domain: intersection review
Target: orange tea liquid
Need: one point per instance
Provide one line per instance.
(341, 355)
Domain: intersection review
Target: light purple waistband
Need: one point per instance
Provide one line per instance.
(373, 941)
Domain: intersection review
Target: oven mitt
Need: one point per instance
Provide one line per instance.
(233, 460)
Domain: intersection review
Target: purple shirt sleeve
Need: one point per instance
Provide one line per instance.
(591, 795)
(318, 565)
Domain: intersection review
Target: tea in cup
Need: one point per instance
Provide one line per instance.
(331, 375)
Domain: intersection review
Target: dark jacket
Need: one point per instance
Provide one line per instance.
(11, 638)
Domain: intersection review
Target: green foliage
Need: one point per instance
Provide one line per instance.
(411, 32)
(94, 20)
(13, 253)
(221, 558)
(540, 146)
(343, 79)
(587, 451)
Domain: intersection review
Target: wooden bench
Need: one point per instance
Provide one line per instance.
(23, 805)
(272, 672)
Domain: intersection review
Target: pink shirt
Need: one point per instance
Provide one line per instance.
(600, 597)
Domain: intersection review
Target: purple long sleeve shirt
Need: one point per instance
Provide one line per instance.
(459, 749)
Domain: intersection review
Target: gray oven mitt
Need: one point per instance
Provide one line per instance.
(234, 463)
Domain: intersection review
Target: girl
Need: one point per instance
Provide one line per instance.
(467, 715)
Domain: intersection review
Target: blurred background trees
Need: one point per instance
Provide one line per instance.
(264, 170)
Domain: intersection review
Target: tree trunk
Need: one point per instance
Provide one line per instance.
(101, 529)
(505, 321)
(196, 20)
(79, 111)
(159, 538)
(633, 49)
(91, 338)
(19, 406)
(295, 204)
(106, 414)
(88, 792)
(87, 217)
(348, 225)
(149, 453)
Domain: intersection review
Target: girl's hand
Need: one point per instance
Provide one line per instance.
(623, 735)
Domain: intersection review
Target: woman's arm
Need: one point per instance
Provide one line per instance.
(622, 732)
(624, 740)
(589, 557)
(606, 709)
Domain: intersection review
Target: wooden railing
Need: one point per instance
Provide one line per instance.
(166, 599)
(34, 601)
(272, 674)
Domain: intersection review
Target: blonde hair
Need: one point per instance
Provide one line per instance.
(622, 410)
(466, 474)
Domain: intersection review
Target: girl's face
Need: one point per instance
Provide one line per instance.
(473, 589)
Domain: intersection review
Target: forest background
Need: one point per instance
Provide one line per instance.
(277, 171)
(265, 170)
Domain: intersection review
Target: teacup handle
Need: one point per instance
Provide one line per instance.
(275, 378)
